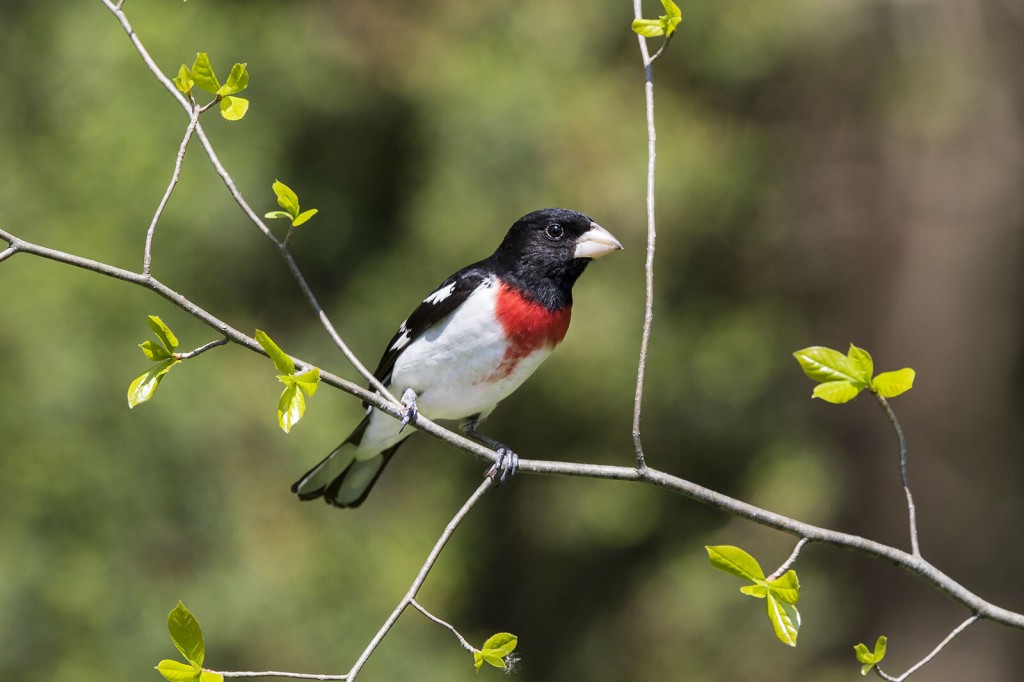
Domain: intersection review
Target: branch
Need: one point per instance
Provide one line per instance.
(645, 341)
(902, 442)
(421, 576)
(202, 349)
(462, 640)
(277, 673)
(788, 563)
(935, 652)
(147, 257)
(914, 565)
(240, 200)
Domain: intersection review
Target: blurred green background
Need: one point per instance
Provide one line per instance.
(828, 172)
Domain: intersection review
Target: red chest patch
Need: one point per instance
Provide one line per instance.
(528, 326)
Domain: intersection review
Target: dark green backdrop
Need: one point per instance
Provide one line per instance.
(828, 172)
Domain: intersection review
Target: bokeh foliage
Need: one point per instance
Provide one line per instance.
(788, 138)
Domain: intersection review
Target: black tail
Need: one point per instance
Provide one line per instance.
(340, 478)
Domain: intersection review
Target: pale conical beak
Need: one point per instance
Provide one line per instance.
(596, 242)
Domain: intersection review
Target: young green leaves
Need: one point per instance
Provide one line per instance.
(870, 658)
(162, 353)
(665, 25)
(232, 108)
(188, 639)
(495, 650)
(292, 404)
(780, 595)
(289, 201)
(842, 377)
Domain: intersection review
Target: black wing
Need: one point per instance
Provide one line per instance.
(434, 308)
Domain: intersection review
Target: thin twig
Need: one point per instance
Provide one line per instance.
(462, 640)
(7, 253)
(277, 673)
(788, 563)
(147, 258)
(661, 50)
(915, 565)
(202, 349)
(902, 443)
(421, 576)
(645, 341)
(243, 204)
(935, 652)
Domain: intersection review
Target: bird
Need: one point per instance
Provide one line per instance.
(467, 346)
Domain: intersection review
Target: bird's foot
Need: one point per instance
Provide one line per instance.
(505, 467)
(411, 411)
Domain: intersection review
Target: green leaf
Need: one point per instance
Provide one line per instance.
(495, 649)
(759, 591)
(184, 81)
(278, 214)
(648, 28)
(836, 392)
(186, 634)
(234, 108)
(735, 561)
(501, 644)
(176, 671)
(286, 198)
(825, 364)
(786, 588)
(671, 8)
(892, 384)
(164, 333)
(668, 25)
(153, 351)
(861, 363)
(237, 81)
(202, 73)
(782, 617)
(210, 676)
(284, 364)
(291, 407)
(304, 216)
(144, 385)
(308, 381)
(871, 658)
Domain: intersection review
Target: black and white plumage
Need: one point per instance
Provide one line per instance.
(469, 344)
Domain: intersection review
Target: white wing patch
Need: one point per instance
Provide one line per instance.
(402, 341)
(440, 294)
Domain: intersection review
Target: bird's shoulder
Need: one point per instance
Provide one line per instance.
(441, 302)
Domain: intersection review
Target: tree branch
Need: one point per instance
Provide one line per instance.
(902, 443)
(421, 576)
(202, 349)
(645, 341)
(462, 640)
(935, 652)
(240, 200)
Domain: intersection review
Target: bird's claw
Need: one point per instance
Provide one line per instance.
(507, 464)
(411, 411)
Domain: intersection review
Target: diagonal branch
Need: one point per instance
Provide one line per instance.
(935, 652)
(914, 565)
(902, 443)
(240, 200)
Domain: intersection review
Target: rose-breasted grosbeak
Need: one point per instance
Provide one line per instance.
(469, 345)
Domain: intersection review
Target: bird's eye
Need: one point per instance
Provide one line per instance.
(554, 231)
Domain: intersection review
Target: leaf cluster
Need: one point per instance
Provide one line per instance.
(665, 25)
(842, 377)
(289, 201)
(292, 404)
(202, 74)
(188, 639)
(162, 353)
(780, 595)
(495, 650)
(871, 658)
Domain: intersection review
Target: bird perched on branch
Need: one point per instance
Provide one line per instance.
(469, 345)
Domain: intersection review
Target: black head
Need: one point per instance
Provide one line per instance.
(549, 249)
